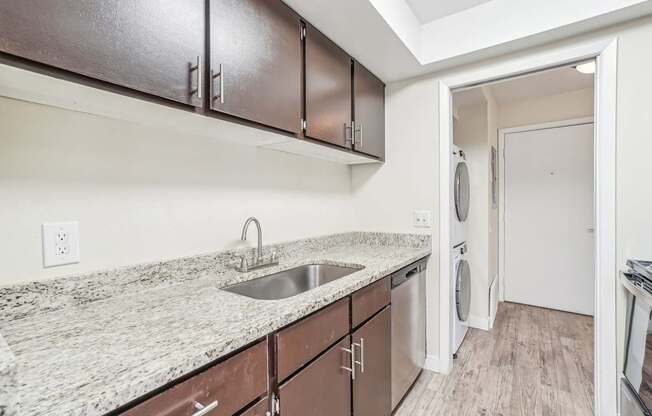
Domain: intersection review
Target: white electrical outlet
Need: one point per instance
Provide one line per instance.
(60, 243)
(421, 218)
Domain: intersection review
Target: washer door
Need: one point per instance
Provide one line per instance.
(463, 290)
(462, 191)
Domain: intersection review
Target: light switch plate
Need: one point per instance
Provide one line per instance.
(421, 218)
(60, 243)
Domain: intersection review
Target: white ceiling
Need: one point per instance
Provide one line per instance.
(429, 10)
(388, 38)
(542, 84)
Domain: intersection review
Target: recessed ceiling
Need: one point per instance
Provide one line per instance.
(429, 10)
(542, 84)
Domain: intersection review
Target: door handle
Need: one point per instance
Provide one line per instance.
(361, 346)
(214, 75)
(199, 68)
(358, 129)
(353, 362)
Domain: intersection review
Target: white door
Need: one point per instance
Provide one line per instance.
(549, 218)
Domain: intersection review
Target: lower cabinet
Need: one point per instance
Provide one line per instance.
(372, 386)
(335, 362)
(323, 388)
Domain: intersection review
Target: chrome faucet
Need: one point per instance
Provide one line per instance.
(258, 261)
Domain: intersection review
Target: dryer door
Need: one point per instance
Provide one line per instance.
(462, 191)
(463, 290)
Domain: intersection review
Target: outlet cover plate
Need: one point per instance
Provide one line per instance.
(422, 218)
(60, 243)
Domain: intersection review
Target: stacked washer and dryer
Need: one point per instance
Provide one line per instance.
(461, 277)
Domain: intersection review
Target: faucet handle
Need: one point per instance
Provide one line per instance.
(244, 266)
(273, 256)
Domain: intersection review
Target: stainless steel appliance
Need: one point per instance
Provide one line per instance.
(408, 327)
(636, 385)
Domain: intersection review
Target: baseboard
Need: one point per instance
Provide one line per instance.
(478, 322)
(432, 363)
(492, 319)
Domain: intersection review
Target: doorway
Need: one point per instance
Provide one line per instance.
(605, 373)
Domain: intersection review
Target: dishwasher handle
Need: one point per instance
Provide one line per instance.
(407, 273)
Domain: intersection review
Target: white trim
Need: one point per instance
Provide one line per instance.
(432, 363)
(501, 182)
(478, 322)
(492, 320)
(445, 269)
(606, 374)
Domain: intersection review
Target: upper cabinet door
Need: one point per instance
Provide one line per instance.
(369, 104)
(328, 90)
(148, 45)
(255, 62)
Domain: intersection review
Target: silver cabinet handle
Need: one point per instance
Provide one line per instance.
(352, 368)
(361, 346)
(199, 67)
(219, 74)
(204, 410)
(350, 127)
(358, 130)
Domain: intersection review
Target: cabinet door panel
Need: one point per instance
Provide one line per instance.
(369, 104)
(328, 90)
(372, 388)
(258, 45)
(146, 45)
(321, 389)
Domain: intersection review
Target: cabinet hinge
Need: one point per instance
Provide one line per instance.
(304, 125)
(303, 33)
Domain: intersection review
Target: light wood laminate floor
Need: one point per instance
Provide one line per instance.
(534, 362)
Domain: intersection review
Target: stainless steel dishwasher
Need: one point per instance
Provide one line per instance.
(408, 327)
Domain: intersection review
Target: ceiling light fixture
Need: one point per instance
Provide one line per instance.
(586, 67)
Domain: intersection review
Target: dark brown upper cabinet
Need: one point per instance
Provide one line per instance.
(369, 112)
(255, 62)
(146, 45)
(372, 386)
(328, 90)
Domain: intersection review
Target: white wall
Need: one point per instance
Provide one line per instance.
(634, 223)
(569, 105)
(145, 194)
(385, 196)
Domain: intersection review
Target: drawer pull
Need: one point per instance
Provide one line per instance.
(204, 410)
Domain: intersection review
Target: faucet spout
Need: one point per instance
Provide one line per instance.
(259, 249)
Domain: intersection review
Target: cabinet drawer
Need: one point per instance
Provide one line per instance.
(232, 383)
(303, 341)
(369, 300)
(321, 389)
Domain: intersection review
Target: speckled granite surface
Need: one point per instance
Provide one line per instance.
(85, 345)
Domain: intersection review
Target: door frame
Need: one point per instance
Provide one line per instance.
(605, 52)
(501, 185)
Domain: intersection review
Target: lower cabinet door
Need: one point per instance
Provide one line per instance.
(323, 388)
(372, 387)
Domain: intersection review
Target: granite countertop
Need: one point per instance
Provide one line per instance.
(77, 355)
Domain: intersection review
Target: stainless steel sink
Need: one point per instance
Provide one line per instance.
(291, 282)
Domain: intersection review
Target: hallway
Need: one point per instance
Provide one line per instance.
(534, 362)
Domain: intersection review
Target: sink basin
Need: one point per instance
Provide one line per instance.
(291, 282)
